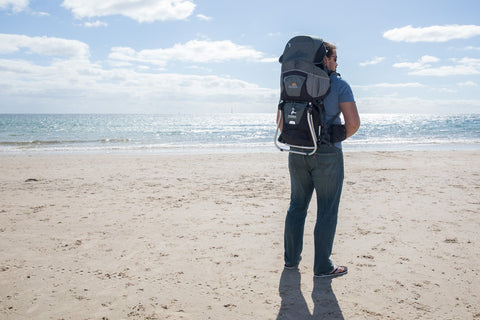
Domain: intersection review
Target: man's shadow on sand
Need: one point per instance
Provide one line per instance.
(295, 307)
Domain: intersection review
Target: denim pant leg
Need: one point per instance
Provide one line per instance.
(327, 175)
(301, 194)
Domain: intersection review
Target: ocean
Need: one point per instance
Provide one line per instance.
(225, 132)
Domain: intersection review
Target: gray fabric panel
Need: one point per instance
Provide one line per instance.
(317, 82)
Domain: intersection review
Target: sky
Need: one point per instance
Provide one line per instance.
(207, 56)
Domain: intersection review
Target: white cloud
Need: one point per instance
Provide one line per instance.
(392, 85)
(422, 63)
(95, 24)
(428, 59)
(86, 87)
(141, 11)
(446, 90)
(196, 51)
(423, 67)
(375, 60)
(15, 5)
(72, 83)
(467, 84)
(405, 104)
(203, 17)
(49, 46)
(41, 14)
(463, 67)
(433, 33)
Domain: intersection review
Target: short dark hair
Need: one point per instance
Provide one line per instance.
(330, 48)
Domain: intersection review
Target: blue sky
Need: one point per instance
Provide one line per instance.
(184, 56)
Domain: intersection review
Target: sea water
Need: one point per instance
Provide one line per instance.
(224, 132)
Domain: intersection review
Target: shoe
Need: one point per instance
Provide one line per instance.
(337, 271)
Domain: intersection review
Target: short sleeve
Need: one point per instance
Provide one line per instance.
(345, 93)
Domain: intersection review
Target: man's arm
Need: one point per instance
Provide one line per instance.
(351, 117)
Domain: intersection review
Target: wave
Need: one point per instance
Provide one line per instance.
(39, 143)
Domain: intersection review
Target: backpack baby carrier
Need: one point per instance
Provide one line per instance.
(304, 84)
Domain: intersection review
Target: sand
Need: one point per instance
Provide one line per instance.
(201, 237)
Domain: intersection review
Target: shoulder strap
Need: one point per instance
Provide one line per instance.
(333, 119)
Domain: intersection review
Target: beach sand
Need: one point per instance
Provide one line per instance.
(201, 237)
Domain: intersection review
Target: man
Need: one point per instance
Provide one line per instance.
(324, 173)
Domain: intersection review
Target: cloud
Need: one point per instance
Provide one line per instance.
(15, 5)
(49, 46)
(472, 48)
(460, 67)
(95, 24)
(423, 67)
(72, 83)
(69, 86)
(416, 105)
(433, 33)
(40, 14)
(392, 85)
(375, 60)
(195, 51)
(420, 64)
(467, 84)
(141, 11)
(203, 17)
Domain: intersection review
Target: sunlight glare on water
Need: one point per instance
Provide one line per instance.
(252, 132)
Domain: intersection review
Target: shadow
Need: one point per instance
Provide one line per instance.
(324, 301)
(294, 306)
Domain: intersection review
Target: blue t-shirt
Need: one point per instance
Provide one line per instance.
(340, 91)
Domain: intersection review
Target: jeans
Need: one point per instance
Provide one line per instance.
(322, 172)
